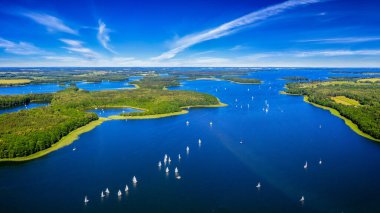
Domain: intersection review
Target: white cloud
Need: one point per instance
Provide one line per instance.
(77, 46)
(343, 40)
(103, 36)
(21, 48)
(50, 22)
(230, 27)
(338, 53)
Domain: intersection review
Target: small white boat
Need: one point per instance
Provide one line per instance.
(211, 123)
(176, 170)
(166, 156)
(134, 179)
(165, 160)
(119, 193)
(187, 123)
(241, 142)
(159, 164)
(258, 185)
(302, 199)
(126, 188)
(236, 100)
(248, 89)
(320, 162)
(107, 191)
(199, 141)
(252, 98)
(167, 170)
(169, 160)
(187, 149)
(86, 200)
(102, 194)
(179, 156)
(178, 177)
(305, 166)
(74, 149)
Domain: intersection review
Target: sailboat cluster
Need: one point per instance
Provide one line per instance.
(106, 192)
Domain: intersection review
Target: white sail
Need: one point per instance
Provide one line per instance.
(102, 194)
(119, 193)
(86, 200)
(167, 170)
(176, 170)
(258, 185)
(305, 166)
(170, 160)
(126, 188)
(199, 141)
(134, 179)
(187, 149)
(107, 191)
(179, 156)
(302, 199)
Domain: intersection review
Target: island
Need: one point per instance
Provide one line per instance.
(356, 102)
(29, 134)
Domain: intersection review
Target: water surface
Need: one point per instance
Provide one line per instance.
(244, 146)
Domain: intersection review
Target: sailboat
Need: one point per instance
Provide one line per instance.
(86, 200)
(187, 149)
(187, 123)
(179, 156)
(119, 193)
(159, 164)
(302, 199)
(320, 162)
(258, 186)
(178, 177)
(170, 160)
(167, 170)
(199, 141)
(305, 166)
(102, 194)
(211, 123)
(107, 191)
(126, 188)
(176, 170)
(134, 179)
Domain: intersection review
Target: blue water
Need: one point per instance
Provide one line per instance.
(112, 111)
(16, 109)
(218, 176)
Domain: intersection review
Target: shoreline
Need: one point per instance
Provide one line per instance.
(74, 135)
(64, 141)
(347, 121)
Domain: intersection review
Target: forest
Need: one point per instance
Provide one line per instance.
(366, 115)
(28, 131)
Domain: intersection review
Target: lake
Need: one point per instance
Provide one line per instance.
(245, 145)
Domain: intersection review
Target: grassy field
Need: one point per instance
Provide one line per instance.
(9, 82)
(371, 80)
(345, 101)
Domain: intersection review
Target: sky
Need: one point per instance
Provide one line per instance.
(197, 33)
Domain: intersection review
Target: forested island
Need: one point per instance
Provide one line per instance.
(27, 132)
(357, 102)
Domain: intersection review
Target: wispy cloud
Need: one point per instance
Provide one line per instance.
(103, 36)
(52, 23)
(374, 52)
(231, 27)
(77, 46)
(20, 48)
(344, 40)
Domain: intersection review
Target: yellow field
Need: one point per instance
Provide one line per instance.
(372, 80)
(345, 101)
(14, 81)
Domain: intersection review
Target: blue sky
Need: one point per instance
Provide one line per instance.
(306, 33)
